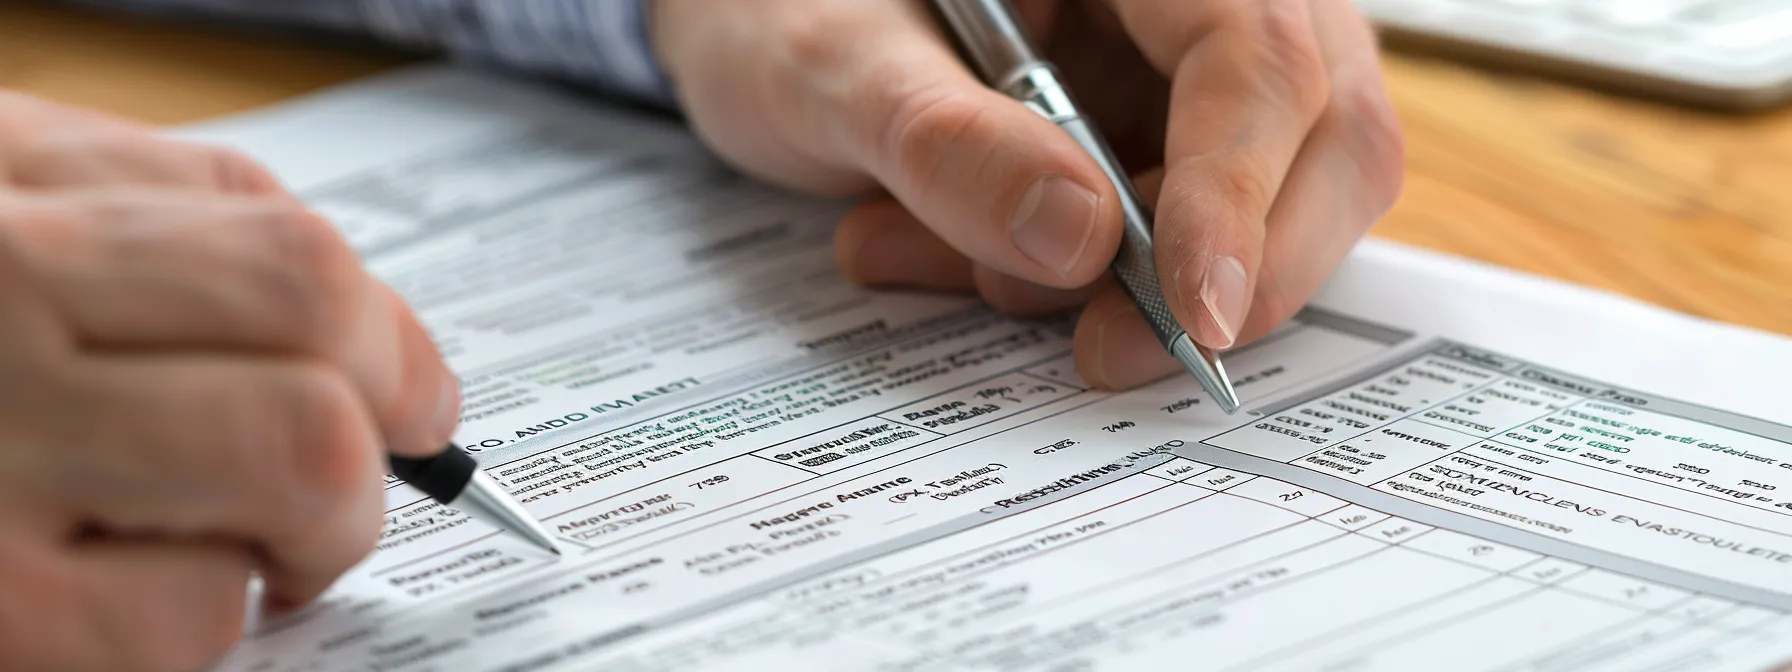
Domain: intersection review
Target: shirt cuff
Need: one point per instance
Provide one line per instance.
(600, 44)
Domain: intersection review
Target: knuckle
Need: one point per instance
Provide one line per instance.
(29, 125)
(70, 147)
(52, 153)
(924, 122)
(331, 438)
(1169, 31)
(327, 517)
(817, 43)
(1379, 145)
(234, 171)
(1290, 53)
(315, 283)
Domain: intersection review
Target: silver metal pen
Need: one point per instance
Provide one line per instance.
(992, 38)
(454, 480)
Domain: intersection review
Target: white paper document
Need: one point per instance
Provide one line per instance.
(757, 466)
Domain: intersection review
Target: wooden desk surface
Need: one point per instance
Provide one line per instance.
(1685, 209)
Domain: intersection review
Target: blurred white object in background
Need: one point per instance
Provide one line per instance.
(1727, 53)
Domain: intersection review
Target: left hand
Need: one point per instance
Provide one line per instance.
(1259, 130)
(198, 380)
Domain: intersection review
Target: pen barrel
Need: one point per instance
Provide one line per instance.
(990, 38)
(1136, 263)
(996, 46)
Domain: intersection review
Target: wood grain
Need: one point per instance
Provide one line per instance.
(1685, 209)
(1681, 208)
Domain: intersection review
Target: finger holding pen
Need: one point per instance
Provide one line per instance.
(1265, 120)
(1281, 151)
(871, 95)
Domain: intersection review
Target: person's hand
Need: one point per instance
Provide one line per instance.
(197, 381)
(1259, 131)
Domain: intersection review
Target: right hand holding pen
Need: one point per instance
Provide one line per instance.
(1259, 132)
(197, 380)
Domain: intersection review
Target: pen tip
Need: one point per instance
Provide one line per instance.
(1207, 371)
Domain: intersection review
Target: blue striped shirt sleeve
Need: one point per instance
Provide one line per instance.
(604, 44)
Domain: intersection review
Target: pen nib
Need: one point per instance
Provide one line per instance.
(1208, 371)
(486, 500)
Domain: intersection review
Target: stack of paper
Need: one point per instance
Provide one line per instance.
(759, 466)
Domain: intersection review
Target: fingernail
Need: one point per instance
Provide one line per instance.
(1129, 354)
(1054, 222)
(1223, 293)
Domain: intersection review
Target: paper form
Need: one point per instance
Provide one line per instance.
(757, 466)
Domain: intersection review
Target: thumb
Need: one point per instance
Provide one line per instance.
(993, 179)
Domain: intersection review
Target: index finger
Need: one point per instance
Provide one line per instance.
(157, 270)
(1248, 83)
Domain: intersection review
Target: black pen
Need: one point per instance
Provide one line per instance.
(454, 479)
